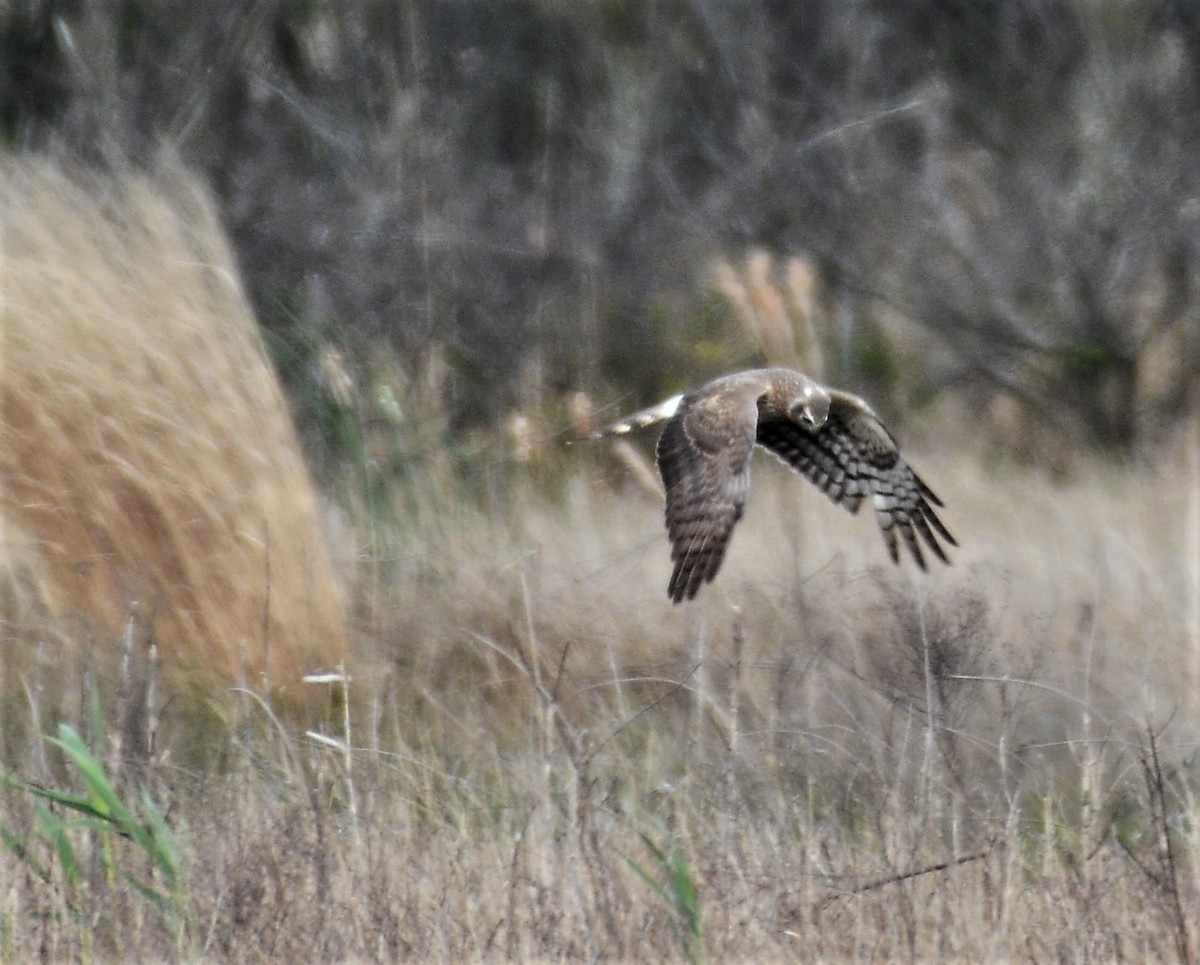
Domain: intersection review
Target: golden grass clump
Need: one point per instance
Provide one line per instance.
(148, 464)
(777, 306)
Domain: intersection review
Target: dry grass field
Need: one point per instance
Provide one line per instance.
(534, 755)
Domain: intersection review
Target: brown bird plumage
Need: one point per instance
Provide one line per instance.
(831, 437)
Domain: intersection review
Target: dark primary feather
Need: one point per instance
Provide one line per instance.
(853, 456)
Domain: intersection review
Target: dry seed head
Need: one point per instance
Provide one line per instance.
(523, 436)
(580, 409)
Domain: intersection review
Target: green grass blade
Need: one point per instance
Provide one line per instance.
(676, 887)
(18, 847)
(683, 886)
(165, 852)
(84, 805)
(55, 830)
(165, 905)
(107, 803)
(654, 883)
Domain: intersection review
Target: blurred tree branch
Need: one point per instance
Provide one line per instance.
(534, 189)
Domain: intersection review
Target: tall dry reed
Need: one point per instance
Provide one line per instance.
(148, 465)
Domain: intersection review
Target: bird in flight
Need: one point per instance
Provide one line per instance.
(831, 437)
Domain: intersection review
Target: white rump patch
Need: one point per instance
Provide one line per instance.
(666, 408)
(646, 417)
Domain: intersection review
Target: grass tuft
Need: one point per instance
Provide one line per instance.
(147, 459)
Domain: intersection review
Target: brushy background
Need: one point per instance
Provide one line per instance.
(304, 313)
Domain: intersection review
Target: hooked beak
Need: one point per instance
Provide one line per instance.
(815, 410)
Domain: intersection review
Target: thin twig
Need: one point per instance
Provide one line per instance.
(1168, 880)
(907, 876)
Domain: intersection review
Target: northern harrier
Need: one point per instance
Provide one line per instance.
(831, 437)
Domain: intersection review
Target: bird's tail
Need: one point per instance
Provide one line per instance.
(645, 417)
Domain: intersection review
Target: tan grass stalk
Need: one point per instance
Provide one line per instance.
(776, 304)
(146, 450)
(1192, 560)
(641, 470)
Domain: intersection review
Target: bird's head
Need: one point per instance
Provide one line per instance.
(811, 407)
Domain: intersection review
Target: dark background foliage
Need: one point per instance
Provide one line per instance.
(535, 190)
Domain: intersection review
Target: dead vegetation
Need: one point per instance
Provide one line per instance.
(545, 759)
(148, 466)
(536, 756)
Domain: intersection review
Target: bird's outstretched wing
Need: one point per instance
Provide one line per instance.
(704, 459)
(853, 456)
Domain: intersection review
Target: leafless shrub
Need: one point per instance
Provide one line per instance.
(538, 189)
